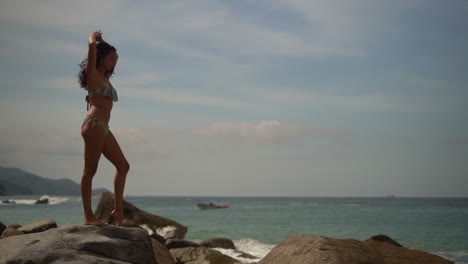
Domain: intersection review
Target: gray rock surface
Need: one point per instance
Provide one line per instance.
(79, 244)
(161, 253)
(136, 216)
(306, 249)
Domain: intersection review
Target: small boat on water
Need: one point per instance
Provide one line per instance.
(9, 201)
(204, 206)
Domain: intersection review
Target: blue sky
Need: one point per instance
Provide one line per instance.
(269, 98)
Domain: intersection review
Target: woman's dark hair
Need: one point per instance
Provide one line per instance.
(103, 49)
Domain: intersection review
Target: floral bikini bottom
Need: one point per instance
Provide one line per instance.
(95, 123)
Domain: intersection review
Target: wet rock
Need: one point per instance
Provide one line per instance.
(384, 239)
(225, 243)
(138, 217)
(2, 227)
(180, 243)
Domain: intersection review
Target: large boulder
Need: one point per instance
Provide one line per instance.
(306, 249)
(75, 244)
(138, 217)
(201, 255)
(38, 226)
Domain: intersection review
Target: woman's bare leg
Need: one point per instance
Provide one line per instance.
(94, 139)
(115, 155)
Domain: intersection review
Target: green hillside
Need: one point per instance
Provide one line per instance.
(14, 181)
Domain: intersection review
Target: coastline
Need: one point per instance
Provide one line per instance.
(261, 222)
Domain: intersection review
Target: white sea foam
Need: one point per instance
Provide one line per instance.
(260, 250)
(58, 200)
(250, 246)
(147, 229)
(23, 201)
(52, 200)
(459, 257)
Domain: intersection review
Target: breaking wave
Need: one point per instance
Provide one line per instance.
(50, 199)
(256, 249)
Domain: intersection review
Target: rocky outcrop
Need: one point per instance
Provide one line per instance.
(201, 255)
(138, 217)
(38, 226)
(9, 231)
(14, 226)
(180, 243)
(225, 243)
(80, 244)
(384, 239)
(306, 249)
(161, 253)
(2, 227)
(14, 230)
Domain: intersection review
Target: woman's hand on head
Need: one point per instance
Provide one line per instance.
(99, 36)
(96, 36)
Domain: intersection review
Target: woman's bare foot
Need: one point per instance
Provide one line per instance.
(117, 218)
(95, 222)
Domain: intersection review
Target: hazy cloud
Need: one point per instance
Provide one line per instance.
(270, 131)
(456, 141)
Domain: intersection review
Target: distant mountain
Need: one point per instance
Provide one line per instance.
(14, 181)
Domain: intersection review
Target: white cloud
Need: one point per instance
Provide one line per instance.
(34, 140)
(31, 140)
(270, 131)
(148, 142)
(16, 141)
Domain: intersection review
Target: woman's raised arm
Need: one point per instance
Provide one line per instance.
(92, 41)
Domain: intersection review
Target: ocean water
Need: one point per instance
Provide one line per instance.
(257, 224)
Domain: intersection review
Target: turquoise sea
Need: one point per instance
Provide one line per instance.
(256, 224)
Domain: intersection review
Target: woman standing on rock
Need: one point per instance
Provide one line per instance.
(94, 76)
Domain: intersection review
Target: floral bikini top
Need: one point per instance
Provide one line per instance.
(105, 90)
